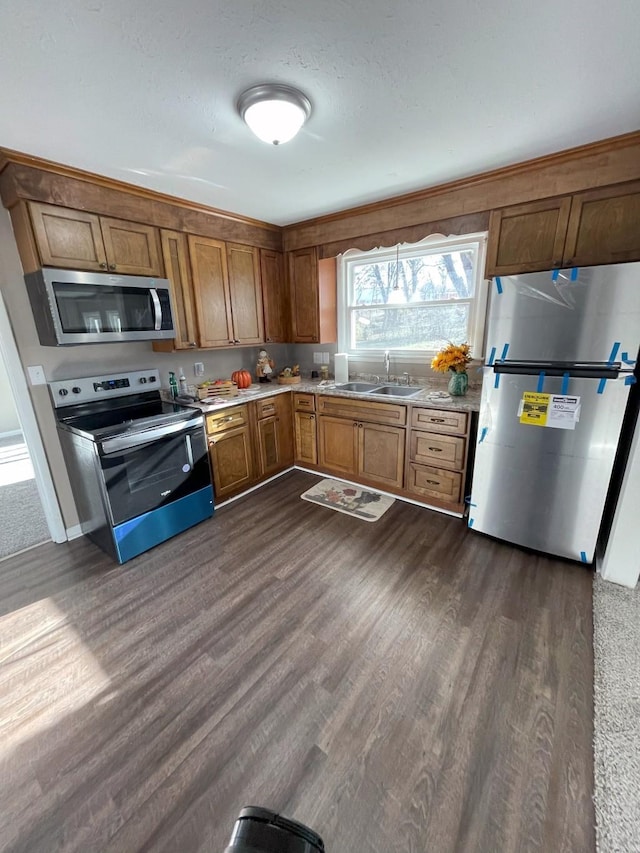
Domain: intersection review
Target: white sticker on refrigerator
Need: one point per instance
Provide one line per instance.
(564, 412)
(558, 411)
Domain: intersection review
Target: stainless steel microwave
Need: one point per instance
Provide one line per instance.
(72, 307)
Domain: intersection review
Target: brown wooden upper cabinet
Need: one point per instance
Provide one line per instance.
(594, 227)
(175, 253)
(275, 297)
(228, 300)
(74, 239)
(312, 288)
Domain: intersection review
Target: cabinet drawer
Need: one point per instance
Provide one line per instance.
(430, 448)
(437, 420)
(434, 483)
(226, 419)
(304, 402)
(363, 410)
(266, 408)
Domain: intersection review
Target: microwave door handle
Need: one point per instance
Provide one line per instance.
(157, 309)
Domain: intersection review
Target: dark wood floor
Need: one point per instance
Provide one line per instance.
(400, 686)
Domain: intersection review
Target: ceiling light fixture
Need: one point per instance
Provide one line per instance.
(275, 113)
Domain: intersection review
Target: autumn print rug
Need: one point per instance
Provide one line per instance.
(350, 499)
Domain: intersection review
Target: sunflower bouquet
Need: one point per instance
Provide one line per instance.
(454, 357)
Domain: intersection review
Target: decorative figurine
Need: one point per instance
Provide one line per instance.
(265, 366)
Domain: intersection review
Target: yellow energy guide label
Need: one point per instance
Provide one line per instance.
(558, 411)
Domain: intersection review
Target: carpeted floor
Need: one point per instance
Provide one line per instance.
(22, 518)
(616, 618)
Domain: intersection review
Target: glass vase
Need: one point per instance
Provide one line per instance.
(458, 384)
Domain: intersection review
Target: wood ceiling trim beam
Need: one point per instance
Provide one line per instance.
(610, 161)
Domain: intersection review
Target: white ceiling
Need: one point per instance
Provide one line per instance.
(405, 95)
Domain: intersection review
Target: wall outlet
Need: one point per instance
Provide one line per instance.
(317, 358)
(36, 374)
(325, 358)
(198, 368)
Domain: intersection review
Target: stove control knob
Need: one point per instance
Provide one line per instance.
(152, 379)
(76, 390)
(63, 392)
(143, 379)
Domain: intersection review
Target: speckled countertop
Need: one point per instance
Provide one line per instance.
(427, 396)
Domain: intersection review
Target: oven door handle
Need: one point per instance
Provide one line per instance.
(128, 442)
(157, 309)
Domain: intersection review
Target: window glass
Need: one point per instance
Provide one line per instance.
(413, 298)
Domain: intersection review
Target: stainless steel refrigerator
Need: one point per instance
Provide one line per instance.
(559, 365)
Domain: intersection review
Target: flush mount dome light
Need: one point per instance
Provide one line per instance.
(274, 113)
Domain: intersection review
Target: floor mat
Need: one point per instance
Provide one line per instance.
(349, 499)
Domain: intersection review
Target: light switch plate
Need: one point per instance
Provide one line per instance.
(198, 368)
(36, 374)
(317, 358)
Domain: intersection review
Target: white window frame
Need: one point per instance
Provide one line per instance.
(435, 243)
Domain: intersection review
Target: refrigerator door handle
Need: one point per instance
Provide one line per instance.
(575, 369)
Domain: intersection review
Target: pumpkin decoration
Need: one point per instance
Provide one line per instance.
(242, 378)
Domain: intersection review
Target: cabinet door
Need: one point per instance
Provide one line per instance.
(604, 226)
(527, 237)
(175, 254)
(303, 287)
(381, 454)
(131, 248)
(338, 445)
(245, 294)
(269, 452)
(231, 461)
(67, 238)
(211, 289)
(306, 439)
(275, 297)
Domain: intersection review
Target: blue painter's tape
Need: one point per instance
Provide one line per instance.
(483, 434)
(496, 384)
(554, 275)
(470, 522)
(492, 356)
(505, 350)
(498, 284)
(601, 386)
(583, 556)
(565, 383)
(630, 380)
(574, 273)
(626, 359)
(614, 352)
(541, 377)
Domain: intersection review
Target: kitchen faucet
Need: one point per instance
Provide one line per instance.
(386, 362)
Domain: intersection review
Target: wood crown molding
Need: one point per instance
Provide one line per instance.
(8, 156)
(564, 172)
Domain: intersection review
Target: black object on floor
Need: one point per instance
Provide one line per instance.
(259, 830)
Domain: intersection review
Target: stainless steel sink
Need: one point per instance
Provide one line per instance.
(358, 387)
(396, 390)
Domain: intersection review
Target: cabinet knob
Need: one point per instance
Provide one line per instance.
(570, 262)
(312, 417)
(112, 266)
(103, 266)
(557, 263)
(192, 343)
(232, 342)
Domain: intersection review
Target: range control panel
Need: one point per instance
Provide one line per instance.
(66, 392)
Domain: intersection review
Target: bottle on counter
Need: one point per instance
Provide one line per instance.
(173, 385)
(182, 382)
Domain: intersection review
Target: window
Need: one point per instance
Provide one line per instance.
(412, 299)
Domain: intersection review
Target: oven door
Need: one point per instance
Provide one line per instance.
(155, 471)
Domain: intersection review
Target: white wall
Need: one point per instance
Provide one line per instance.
(8, 415)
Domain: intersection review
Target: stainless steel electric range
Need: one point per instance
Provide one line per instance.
(138, 465)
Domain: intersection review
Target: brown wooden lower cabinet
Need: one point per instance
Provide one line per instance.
(306, 439)
(356, 448)
(274, 434)
(425, 460)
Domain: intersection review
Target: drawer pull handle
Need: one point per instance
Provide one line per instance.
(433, 482)
(436, 449)
(437, 420)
